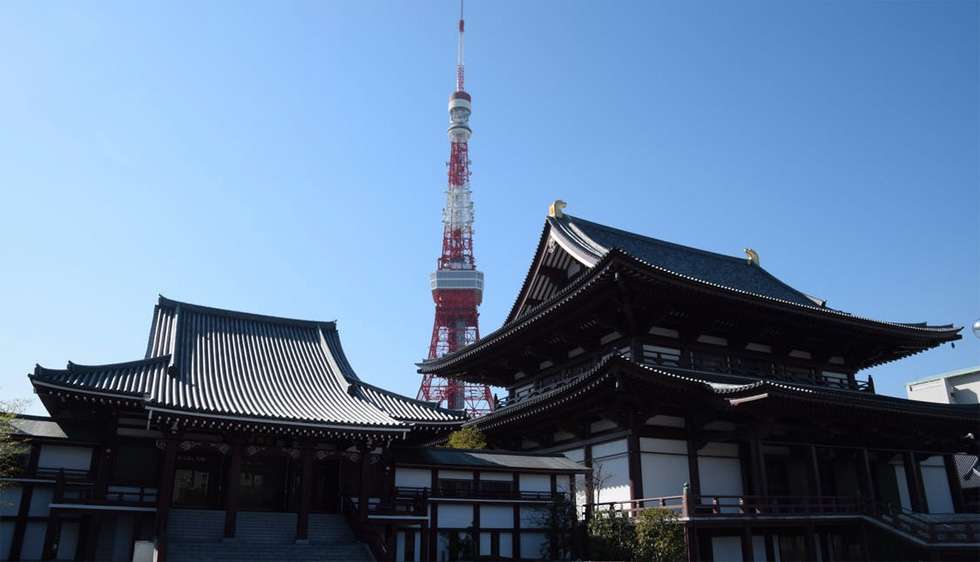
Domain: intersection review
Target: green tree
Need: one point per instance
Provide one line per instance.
(559, 523)
(12, 448)
(611, 535)
(659, 536)
(467, 438)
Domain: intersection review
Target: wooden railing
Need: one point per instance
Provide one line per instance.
(87, 493)
(953, 528)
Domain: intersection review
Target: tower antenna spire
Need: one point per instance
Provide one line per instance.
(457, 285)
(460, 69)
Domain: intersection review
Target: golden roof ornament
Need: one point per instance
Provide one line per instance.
(555, 209)
(753, 256)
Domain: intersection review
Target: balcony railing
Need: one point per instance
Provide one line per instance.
(928, 528)
(555, 378)
(119, 495)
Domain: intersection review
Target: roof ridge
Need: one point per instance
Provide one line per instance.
(164, 302)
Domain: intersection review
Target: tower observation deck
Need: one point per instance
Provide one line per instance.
(457, 285)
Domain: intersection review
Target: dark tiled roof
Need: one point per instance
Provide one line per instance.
(593, 240)
(37, 427)
(219, 363)
(484, 459)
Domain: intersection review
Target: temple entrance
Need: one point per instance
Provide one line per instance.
(327, 487)
(197, 480)
(262, 485)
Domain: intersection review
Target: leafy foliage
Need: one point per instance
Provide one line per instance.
(611, 536)
(11, 449)
(559, 522)
(659, 537)
(467, 438)
(654, 535)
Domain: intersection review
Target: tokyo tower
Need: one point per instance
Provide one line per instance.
(457, 285)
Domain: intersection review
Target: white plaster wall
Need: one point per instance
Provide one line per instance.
(484, 549)
(602, 425)
(58, 456)
(727, 549)
(10, 500)
(720, 476)
(497, 516)
(506, 545)
(33, 541)
(615, 479)
(68, 541)
(413, 477)
(496, 476)
(663, 474)
(758, 548)
(531, 544)
(609, 449)
(41, 501)
(533, 517)
(672, 446)
(936, 484)
(903, 484)
(455, 515)
(535, 483)
(6, 537)
(937, 391)
(456, 474)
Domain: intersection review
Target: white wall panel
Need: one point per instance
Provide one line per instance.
(456, 474)
(10, 500)
(615, 479)
(413, 477)
(535, 483)
(609, 449)
(33, 540)
(41, 501)
(673, 446)
(71, 458)
(497, 476)
(663, 475)
(533, 517)
(6, 537)
(720, 476)
(455, 516)
(727, 549)
(531, 545)
(497, 516)
(936, 484)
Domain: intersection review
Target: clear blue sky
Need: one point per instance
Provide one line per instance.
(288, 158)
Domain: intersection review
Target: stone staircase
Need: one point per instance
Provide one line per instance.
(196, 536)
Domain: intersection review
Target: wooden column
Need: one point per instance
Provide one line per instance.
(747, 554)
(693, 470)
(770, 547)
(955, 483)
(364, 493)
(809, 539)
(233, 489)
(814, 469)
(23, 510)
(757, 466)
(20, 525)
(589, 483)
(913, 477)
(866, 479)
(305, 495)
(165, 494)
(635, 460)
(691, 542)
(92, 535)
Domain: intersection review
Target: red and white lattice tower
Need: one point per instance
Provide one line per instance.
(457, 285)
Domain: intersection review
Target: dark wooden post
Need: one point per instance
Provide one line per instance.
(364, 493)
(809, 539)
(166, 494)
(866, 479)
(914, 481)
(233, 489)
(635, 459)
(814, 465)
(589, 483)
(747, 552)
(305, 494)
(691, 542)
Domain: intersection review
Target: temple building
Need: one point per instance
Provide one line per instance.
(639, 374)
(700, 383)
(247, 437)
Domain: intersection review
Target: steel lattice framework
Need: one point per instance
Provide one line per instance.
(457, 286)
